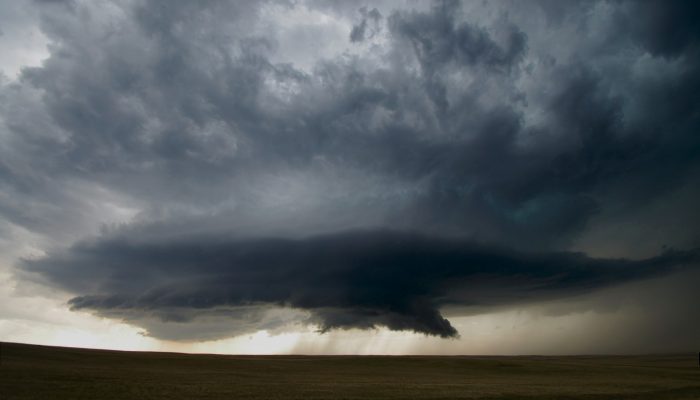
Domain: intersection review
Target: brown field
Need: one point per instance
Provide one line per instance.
(41, 372)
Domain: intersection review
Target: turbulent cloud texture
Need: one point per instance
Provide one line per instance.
(358, 166)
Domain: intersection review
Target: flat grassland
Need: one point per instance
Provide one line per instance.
(41, 372)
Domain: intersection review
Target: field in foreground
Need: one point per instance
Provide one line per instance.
(41, 372)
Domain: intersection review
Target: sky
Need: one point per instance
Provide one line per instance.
(321, 177)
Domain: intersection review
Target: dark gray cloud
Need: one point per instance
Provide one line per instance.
(523, 127)
(368, 26)
(356, 279)
(438, 39)
(151, 110)
(666, 28)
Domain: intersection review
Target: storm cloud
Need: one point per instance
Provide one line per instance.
(361, 165)
(350, 280)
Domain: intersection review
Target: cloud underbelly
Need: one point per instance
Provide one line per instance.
(356, 279)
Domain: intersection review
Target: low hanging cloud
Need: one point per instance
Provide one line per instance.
(361, 279)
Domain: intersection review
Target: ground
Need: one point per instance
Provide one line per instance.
(41, 372)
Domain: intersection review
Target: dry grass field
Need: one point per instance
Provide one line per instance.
(41, 372)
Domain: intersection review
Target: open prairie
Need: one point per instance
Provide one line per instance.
(41, 372)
